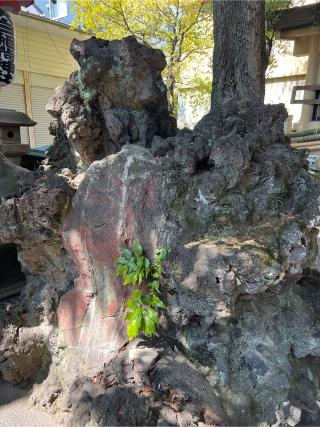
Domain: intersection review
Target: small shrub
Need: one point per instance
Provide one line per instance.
(143, 278)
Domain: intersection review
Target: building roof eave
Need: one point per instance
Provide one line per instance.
(50, 21)
(299, 17)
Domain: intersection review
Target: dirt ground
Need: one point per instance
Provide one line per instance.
(15, 410)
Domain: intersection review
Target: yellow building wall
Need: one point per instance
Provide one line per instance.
(286, 64)
(287, 71)
(43, 62)
(43, 47)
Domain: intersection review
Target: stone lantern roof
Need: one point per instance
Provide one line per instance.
(15, 118)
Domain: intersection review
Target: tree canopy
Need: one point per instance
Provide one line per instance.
(182, 29)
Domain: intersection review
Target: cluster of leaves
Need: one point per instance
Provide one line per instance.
(200, 93)
(143, 279)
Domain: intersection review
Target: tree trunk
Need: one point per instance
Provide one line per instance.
(171, 93)
(239, 51)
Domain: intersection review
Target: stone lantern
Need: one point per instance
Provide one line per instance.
(10, 137)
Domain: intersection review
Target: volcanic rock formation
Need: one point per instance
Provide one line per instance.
(239, 211)
(117, 97)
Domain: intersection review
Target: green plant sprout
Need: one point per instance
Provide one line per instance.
(143, 278)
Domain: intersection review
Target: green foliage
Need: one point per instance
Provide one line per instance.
(143, 278)
(201, 92)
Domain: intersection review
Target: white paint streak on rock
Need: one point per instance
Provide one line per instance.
(200, 198)
(124, 194)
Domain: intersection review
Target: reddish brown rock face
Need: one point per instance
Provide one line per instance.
(100, 220)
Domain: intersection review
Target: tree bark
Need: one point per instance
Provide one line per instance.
(239, 51)
(171, 93)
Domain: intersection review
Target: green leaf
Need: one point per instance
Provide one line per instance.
(156, 302)
(125, 252)
(137, 313)
(142, 325)
(131, 304)
(132, 265)
(136, 295)
(120, 260)
(140, 261)
(146, 300)
(122, 270)
(133, 328)
(137, 248)
(149, 327)
(147, 267)
(155, 285)
(141, 276)
(135, 277)
(119, 271)
(147, 264)
(129, 316)
(153, 315)
(161, 255)
(127, 279)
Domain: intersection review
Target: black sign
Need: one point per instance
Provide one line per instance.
(7, 49)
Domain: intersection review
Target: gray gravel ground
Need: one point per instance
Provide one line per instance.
(15, 410)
